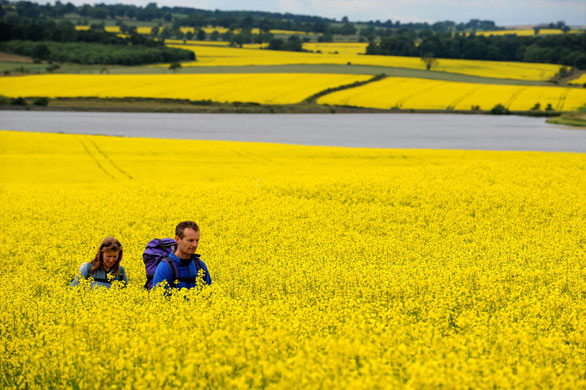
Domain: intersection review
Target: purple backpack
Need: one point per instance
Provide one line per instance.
(156, 251)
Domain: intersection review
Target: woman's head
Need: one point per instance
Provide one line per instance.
(109, 255)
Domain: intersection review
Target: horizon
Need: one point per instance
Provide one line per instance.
(571, 12)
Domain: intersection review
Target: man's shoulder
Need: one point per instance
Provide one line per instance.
(203, 264)
(164, 263)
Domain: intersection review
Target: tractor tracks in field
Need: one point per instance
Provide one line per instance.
(103, 161)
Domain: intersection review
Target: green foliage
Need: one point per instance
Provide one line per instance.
(429, 60)
(326, 38)
(53, 67)
(19, 101)
(41, 101)
(294, 43)
(499, 109)
(175, 66)
(345, 29)
(567, 49)
(94, 53)
(41, 51)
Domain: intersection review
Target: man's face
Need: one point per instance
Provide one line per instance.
(188, 244)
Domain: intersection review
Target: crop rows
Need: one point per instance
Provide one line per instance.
(271, 88)
(409, 93)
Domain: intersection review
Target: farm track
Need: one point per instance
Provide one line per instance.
(459, 99)
(98, 155)
(111, 161)
(562, 100)
(514, 97)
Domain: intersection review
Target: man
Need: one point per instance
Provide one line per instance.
(187, 263)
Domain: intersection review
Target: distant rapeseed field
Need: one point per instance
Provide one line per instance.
(332, 267)
(343, 48)
(411, 93)
(527, 32)
(272, 88)
(228, 56)
(580, 80)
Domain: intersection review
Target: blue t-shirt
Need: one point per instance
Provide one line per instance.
(189, 270)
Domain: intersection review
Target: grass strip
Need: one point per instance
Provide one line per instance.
(316, 96)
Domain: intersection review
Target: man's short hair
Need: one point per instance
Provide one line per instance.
(184, 225)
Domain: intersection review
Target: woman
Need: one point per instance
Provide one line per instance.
(105, 267)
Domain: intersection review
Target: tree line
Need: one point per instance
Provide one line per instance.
(193, 17)
(62, 43)
(563, 49)
(95, 53)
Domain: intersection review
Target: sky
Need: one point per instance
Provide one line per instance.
(503, 12)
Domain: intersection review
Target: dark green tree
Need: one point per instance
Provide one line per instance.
(175, 66)
(41, 51)
(429, 60)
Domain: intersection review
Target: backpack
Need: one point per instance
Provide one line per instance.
(158, 250)
(85, 268)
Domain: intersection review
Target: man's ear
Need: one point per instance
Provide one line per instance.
(177, 239)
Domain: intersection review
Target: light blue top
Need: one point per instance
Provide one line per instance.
(100, 275)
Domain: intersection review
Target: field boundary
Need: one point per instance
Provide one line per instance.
(315, 96)
(92, 104)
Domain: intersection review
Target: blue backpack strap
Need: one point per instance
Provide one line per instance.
(174, 270)
(197, 262)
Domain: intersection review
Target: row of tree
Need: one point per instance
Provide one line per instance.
(95, 53)
(566, 49)
(63, 43)
(265, 21)
(65, 32)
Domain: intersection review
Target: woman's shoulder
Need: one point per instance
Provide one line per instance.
(121, 270)
(84, 269)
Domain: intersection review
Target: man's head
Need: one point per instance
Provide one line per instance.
(187, 238)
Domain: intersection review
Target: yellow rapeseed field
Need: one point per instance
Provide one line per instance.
(412, 93)
(229, 56)
(112, 29)
(527, 32)
(292, 32)
(272, 88)
(580, 80)
(144, 30)
(332, 268)
(211, 29)
(336, 47)
(207, 30)
(198, 43)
